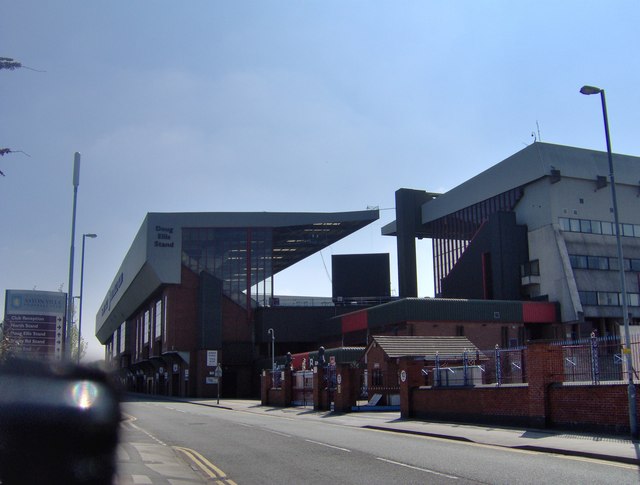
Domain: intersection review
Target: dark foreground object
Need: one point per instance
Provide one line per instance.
(58, 424)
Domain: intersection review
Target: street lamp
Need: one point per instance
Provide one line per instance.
(631, 390)
(84, 236)
(76, 182)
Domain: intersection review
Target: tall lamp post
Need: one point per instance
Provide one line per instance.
(76, 182)
(631, 389)
(84, 236)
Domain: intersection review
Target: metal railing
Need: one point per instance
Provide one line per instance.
(378, 383)
(593, 360)
(276, 379)
(599, 360)
(302, 388)
(497, 366)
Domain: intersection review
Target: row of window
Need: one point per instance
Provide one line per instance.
(579, 261)
(147, 327)
(608, 298)
(589, 226)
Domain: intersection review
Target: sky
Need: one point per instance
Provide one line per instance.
(297, 106)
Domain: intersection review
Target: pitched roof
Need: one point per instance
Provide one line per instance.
(427, 347)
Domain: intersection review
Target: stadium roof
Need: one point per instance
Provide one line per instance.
(156, 254)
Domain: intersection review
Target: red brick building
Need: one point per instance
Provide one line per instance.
(194, 293)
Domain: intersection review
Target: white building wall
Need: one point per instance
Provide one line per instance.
(540, 209)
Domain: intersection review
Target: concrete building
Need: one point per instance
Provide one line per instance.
(536, 226)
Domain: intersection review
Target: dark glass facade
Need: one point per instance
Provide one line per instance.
(239, 257)
(452, 233)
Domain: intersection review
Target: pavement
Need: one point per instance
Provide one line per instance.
(143, 459)
(587, 445)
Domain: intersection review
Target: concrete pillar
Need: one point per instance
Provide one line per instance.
(408, 221)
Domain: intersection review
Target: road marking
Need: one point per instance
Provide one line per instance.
(276, 432)
(328, 445)
(426, 470)
(129, 419)
(206, 466)
(141, 479)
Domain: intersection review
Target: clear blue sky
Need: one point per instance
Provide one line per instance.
(282, 106)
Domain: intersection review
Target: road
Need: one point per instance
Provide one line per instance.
(243, 448)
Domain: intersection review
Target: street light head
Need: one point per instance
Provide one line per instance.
(90, 235)
(590, 90)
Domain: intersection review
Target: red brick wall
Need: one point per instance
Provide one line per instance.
(348, 388)
(544, 366)
(236, 326)
(503, 405)
(591, 407)
(182, 304)
(281, 396)
(543, 402)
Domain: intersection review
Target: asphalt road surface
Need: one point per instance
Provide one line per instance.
(243, 448)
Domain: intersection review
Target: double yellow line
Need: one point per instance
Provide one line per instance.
(206, 466)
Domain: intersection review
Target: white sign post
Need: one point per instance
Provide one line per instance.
(218, 374)
(212, 358)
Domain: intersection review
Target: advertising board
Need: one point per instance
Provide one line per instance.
(35, 322)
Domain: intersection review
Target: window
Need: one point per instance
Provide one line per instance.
(614, 266)
(598, 262)
(578, 262)
(588, 226)
(608, 298)
(574, 225)
(376, 377)
(627, 230)
(147, 326)
(588, 298)
(123, 336)
(607, 228)
(137, 338)
(164, 320)
(585, 225)
(158, 320)
(531, 268)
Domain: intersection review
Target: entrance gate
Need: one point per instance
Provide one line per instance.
(302, 388)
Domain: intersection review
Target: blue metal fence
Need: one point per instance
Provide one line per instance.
(599, 360)
(496, 366)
